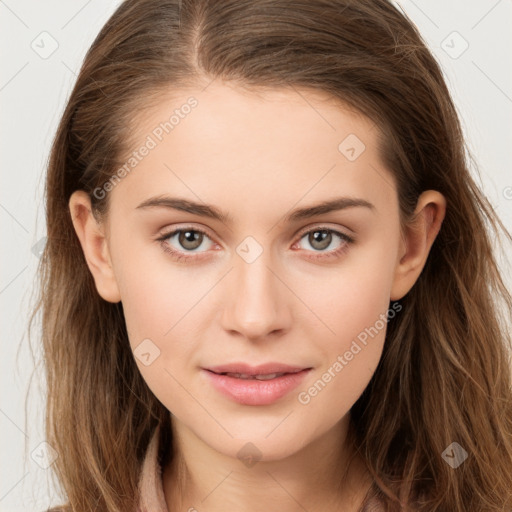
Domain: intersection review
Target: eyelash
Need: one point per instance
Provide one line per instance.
(179, 255)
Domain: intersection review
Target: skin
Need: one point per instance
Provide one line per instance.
(257, 157)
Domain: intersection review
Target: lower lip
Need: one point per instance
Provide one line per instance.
(256, 392)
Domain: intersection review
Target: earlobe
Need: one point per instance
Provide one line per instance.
(420, 235)
(94, 246)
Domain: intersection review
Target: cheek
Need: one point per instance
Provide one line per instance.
(353, 303)
(156, 293)
(351, 297)
(155, 309)
(164, 309)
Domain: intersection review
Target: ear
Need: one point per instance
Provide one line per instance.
(92, 238)
(419, 237)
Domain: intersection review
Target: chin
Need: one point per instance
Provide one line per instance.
(259, 446)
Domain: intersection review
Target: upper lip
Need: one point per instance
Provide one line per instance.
(262, 369)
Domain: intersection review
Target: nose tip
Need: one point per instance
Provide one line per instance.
(255, 307)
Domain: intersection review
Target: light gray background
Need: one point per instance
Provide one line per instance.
(34, 87)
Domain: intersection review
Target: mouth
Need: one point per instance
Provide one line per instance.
(255, 386)
(261, 376)
(262, 371)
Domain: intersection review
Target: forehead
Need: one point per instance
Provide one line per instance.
(253, 149)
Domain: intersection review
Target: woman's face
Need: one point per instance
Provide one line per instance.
(273, 279)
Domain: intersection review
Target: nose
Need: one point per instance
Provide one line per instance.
(257, 300)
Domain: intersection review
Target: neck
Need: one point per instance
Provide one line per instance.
(325, 475)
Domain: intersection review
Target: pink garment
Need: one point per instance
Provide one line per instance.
(152, 498)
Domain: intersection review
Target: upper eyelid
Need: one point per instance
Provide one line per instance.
(171, 232)
(321, 227)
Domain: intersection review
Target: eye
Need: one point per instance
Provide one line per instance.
(321, 238)
(183, 243)
(186, 240)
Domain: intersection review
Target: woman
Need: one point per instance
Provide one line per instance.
(269, 281)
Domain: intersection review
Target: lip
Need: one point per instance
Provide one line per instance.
(252, 391)
(262, 369)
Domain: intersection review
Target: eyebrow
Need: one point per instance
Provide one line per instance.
(205, 210)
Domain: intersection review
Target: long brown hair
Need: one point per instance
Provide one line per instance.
(445, 372)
